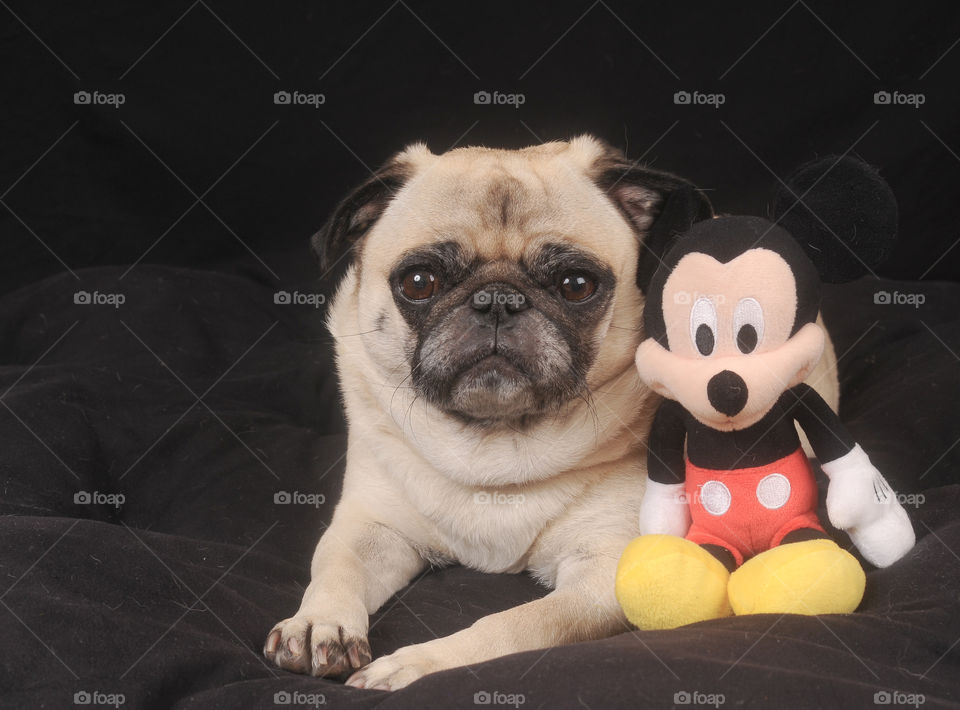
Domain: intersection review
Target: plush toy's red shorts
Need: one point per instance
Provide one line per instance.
(750, 510)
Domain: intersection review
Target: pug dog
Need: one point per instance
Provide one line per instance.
(485, 334)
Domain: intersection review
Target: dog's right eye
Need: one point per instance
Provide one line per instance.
(577, 287)
(419, 284)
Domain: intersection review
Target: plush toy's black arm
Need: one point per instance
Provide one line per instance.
(665, 462)
(827, 434)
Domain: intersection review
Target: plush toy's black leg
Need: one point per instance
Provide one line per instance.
(722, 554)
(802, 535)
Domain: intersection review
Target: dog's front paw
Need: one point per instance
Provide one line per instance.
(313, 645)
(399, 669)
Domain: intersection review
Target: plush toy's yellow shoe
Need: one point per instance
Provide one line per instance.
(665, 581)
(812, 577)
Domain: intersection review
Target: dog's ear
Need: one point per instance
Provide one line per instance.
(358, 212)
(658, 205)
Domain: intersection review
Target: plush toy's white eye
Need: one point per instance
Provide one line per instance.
(748, 324)
(703, 325)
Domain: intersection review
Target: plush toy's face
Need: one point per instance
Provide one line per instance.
(731, 348)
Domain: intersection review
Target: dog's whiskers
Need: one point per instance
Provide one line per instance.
(354, 335)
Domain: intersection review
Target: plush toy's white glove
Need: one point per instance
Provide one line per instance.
(664, 510)
(861, 502)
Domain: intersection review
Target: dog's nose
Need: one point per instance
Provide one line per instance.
(499, 299)
(727, 392)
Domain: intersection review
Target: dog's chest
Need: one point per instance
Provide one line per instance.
(493, 530)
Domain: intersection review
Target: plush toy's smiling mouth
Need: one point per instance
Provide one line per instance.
(723, 422)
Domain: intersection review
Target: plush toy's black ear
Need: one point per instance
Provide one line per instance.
(846, 217)
(658, 205)
(358, 211)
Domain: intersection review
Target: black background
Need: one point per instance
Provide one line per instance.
(198, 82)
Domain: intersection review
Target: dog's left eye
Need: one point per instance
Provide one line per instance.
(419, 284)
(577, 287)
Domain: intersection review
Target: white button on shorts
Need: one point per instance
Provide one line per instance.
(715, 497)
(773, 491)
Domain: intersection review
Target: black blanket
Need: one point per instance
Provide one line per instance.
(170, 461)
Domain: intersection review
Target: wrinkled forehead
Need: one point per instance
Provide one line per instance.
(504, 206)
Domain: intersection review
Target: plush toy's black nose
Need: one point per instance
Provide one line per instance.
(727, 392)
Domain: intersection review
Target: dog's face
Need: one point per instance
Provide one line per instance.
(488, 280)
(501, 333)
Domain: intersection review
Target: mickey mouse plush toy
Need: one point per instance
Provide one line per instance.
(728, 521)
